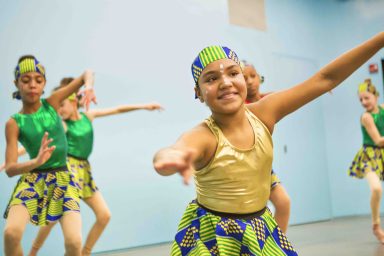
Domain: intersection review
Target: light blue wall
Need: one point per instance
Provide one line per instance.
(141, 51)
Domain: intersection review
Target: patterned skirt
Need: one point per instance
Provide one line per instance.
(368, 159)
(275, 180)
(201, 233)
(81, 170)
(46, 195)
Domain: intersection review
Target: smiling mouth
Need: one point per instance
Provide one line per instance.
(227, 95)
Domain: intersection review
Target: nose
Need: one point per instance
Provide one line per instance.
(226, 82)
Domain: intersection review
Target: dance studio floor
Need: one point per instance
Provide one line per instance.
(350, 236)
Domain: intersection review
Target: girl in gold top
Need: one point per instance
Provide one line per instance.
(279, 196)
(230, 154)
(368, 162)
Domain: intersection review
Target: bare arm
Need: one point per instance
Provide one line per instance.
(369, 124)
(20, 152)
(92, 114)
(61, 94)
(277, 105)
(12, 167)
(187, 154)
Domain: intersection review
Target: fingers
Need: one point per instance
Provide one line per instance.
(187, 175)
(44, 139)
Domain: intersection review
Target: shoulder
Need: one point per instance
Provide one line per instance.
(199, 133)
(11, 127)
(366, 118)
(89, 115)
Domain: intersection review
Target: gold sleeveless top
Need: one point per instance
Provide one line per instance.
(237, 181)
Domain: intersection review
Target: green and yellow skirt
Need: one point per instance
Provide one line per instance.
(368, 159)
(202, 233)
(46, 195)
(274, 179)
(81, 170)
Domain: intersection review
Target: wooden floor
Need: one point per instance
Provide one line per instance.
(350, 236)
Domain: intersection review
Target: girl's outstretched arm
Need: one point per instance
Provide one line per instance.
(94, 113)
(277, 105)
(191, 151)
(61, 94)
(369, 124)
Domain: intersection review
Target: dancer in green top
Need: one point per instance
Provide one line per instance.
(79, 132)
(46, 191)
(369, 161)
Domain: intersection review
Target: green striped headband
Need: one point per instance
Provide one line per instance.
(209, 55)
(29, 65)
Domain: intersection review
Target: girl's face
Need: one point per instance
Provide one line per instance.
(31, 86)
(66, 109)
(252, 79)
(222, 86)
(368, 100)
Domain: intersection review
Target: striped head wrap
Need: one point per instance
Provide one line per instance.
(367, 86)
(29, 65)
(209, 55)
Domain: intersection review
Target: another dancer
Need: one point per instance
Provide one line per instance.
(368, 162)
(46, 191)
(79, 131)
(279, 196)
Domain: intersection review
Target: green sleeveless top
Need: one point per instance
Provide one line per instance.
(32, 128)
(378, 118)
(80, 137)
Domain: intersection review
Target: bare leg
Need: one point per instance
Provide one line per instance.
(71, 226)
(376, 191)
(103, 215)
(17, 220)
(282, 203)
(44, 231)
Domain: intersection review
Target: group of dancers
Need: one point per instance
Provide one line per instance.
(229, 155)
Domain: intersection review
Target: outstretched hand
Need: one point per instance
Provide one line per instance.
(45, 151)
(153, 106)
(177, 161)
(88, 96)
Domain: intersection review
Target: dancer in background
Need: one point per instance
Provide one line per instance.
(230, 154)
(79, 132)
(46, 191)
(279, 196)
(368, 162)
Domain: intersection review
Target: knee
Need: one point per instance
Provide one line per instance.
(377, 191)
(73, 244)
(12, 235)
(104, 217)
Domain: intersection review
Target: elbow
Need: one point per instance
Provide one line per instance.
(9, 173)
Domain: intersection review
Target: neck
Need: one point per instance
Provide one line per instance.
(230, 121)
(375, 109)
(30, 108)
(75, 115)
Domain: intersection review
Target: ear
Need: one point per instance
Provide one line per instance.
(198, 94)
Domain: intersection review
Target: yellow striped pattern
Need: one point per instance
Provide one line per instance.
(45, 195)
(81, 171)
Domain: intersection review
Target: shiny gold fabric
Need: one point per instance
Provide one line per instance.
(236, 180)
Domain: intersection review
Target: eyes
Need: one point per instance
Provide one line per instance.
(28, 79)
(214, 77)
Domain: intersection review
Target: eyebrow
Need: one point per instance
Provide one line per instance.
(214, 71)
